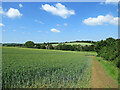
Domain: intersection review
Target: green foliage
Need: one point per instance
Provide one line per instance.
(50, 46)
(13, 45)
(38, 68)
(74, 47)
(109, 50)
(42, 46)
(29, 44)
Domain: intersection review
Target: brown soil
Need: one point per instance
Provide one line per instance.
(100, 78)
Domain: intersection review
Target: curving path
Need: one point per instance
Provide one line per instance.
(99, 77)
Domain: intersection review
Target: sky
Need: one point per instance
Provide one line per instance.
(58, 21)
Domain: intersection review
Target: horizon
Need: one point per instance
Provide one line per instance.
(55, 41)
(58, 22)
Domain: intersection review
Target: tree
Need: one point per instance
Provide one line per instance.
(38, 46)
(29, 44)
(43, 46)
(50, 46)
(109, 50)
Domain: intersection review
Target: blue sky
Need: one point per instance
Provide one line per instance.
(51, 22)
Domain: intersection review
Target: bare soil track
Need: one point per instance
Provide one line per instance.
(100, 78)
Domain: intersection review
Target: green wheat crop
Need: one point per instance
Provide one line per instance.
(37, 68)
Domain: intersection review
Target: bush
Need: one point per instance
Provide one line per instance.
(29, 44)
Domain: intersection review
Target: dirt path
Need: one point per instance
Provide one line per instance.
(99, 77)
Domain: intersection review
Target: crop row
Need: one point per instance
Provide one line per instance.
(44, 70)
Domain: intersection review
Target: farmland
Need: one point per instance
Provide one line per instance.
(38, 68)
(83, 44)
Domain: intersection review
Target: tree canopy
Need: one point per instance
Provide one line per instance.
(109, 50)
(29, 44)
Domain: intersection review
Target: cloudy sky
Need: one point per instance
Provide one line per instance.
(50, 22)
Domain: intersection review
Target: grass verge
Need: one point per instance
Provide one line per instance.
(109, 68)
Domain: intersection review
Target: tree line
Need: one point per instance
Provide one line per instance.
(60, 46)
(109, 50)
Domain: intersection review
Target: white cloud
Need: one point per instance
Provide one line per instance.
(100, 20)
(38, 21)
(12, 13)
(20, 5)
(55, 30)
(1, 24)
(65, 24)
(111, 1)
(58, 9)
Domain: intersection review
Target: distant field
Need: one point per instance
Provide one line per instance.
(36, 68)
(83, 44)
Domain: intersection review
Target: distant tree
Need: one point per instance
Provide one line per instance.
(58, 47)
(75, 48)
(50, 46)
(29, 44)
(43, 46)
(38, 46)
(91, 48)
